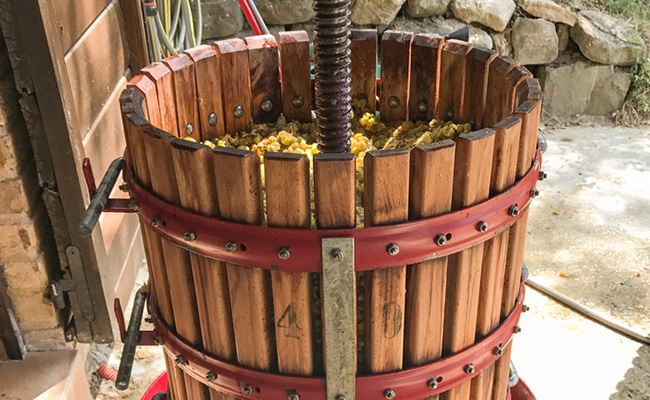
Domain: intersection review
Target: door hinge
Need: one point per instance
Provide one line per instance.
(75, 285)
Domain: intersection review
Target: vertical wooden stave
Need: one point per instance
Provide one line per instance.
(472, 170)
(498, 90)
(147, 88)
(453, 66)
(162, 77)
(476, 85)
(296, 76)
(395, 65)
(183, 81)
(504, 167)
(208, 91)
(288, 206)
(363, 66)
(385, 202)
(265, 78)
(525, 91)
(514, 78)
(424, 86)
(235, 83)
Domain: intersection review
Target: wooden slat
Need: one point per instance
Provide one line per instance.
(504, 168)
(265, 77)
(526, 89)
(363, 66)
(249, 288)
(235, 83)
(208, 89)
(425, 76)
(162, 78)
(395, 65)
(385, 202)
(296, 75)
(476, 85)
(73, 18)
(134, 33)
(498, 90)
(453, 67)
(147, 88)
(431, 184)
(513, 79)
(182, 69)
(288, 206)
(471, 185)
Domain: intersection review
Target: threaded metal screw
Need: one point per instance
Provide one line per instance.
(231, 247)
(284, 253)
(180, 360)
(433, 383)
(248, 389)
(392, 249)
(189, 236)
(497, 351)
(517, 329)
(155, 221)
(513, 211)
(441, 240)
(482, 226)
(211, 377)
(469, 369)
(389, 394)
(534, 193)
(542, 175)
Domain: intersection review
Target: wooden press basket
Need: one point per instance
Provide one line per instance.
(241, 319)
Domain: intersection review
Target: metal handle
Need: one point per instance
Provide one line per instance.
(100, 199)
(131, 340)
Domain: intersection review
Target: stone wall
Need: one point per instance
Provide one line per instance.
(582, 57)
(27, 255)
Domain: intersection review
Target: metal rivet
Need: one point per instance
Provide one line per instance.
(336, 254)
(513, 211)
(542, 175)
(190, 236)
(210, 376)
(389, 394)
(266, 106)
(497, 351)
(449, 114)
(248, 389)
(482, 226)
(392, 249)
(124, 187)
(469, 369)
(534, 193)
(517, 329)
(231, 247)
(155, 221)
(133, 205)
(433, 383)
(340, 397)
(441, 240)
(238, 112)
(212, 119)
(298, 101)
(422, 107)
(293, 396)
(180, 360)
(189, 129)
(393, 102)
(284, 253)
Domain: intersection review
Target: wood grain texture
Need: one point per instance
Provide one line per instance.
(74, 18)
(147, 88)
(249, 288)
(453, 70)
(498, 90)
(363, 66)
(529, 89)
(514, 78)
(431, 185)
(395, 68)
(265, 77)
(207, 71)
(288, 206)
(476, 85)
(425, 76)
(162, 77)
(504, 167)
(385, 202)
(183, 78)
(471, 185)
(134, 33)
(296, 75)
(235, 83)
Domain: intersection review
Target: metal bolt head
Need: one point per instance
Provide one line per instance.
(238, 112)
(298, 101)
(392, 249)
(190, 236)
(180, 360)
(441, 240)
(134, 205)
(517, 329)
(393, 102)
(266, 106)
(497, 351)
(336, 254)
(231, 247)
(189, 129)
(534, 193)
(513, 211)
(469, 369)
(433, 383)
(389, 394)
(284, 253)
(422, 107)
(482, 226)
(449, 114)
(210, 376)
(124, 187)
(525, 308)
(212, 119)
(542, 175)
(340, 397)
(248, 389)
(155, 221)
(293, 396)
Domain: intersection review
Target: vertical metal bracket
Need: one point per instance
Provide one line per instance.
(75, 281)
(339, 317)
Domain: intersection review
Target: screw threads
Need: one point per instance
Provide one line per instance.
(332, 70)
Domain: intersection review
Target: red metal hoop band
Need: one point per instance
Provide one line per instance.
(410, 384)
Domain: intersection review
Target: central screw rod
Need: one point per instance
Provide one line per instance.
(332, 72)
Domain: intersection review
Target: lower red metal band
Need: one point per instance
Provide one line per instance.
(410, 384)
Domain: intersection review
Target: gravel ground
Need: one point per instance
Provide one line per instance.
(588, 238)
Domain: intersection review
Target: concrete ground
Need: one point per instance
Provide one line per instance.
(588, 238)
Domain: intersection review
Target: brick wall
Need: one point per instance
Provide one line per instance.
(27, 253)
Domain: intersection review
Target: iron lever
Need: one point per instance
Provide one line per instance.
(131, 340)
